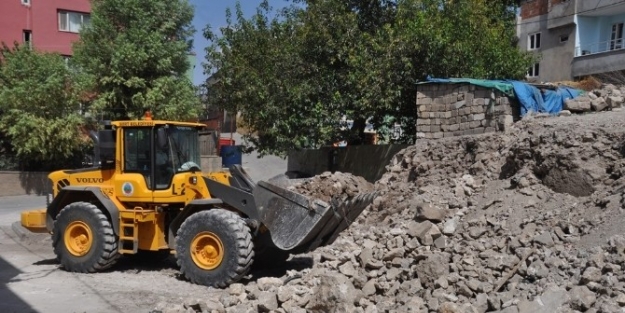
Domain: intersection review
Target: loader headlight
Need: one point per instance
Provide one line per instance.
(193, 180)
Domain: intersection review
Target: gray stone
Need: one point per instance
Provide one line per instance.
(580, 104)
(211, 306)
(267, 283)
(598, 104)
(450, 307)
(348, 269)
(425, 231)
(369, 288)
(591, 274)
(430, 269)
(228, 300)
(544, 239)
(267, 301)
(481, 303)
(450, 226)
(236, 289)
(441, 242)
(615, 101)
(565, 113)
(285, 293)
(548, 302)
(333, 289)
(441, 282)
(476, 232)
(620, 299)
(393, 253)
(427, 211)
(581, 298)
(365, 256)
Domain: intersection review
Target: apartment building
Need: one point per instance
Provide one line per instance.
(47, 25)
(574, 38)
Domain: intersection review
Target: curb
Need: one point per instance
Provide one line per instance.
(19, 230)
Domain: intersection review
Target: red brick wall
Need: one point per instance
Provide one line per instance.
(532, 8)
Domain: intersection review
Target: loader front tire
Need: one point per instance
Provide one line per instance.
(83, 239)
(214, 248)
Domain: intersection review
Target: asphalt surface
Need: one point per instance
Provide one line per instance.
(28, 272)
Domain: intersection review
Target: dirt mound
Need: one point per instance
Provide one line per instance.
(332, 186)
(528, 221)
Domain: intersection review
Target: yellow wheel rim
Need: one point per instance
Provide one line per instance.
(78, 238)
(207, 251)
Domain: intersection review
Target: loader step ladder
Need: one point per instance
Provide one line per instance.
(128, 233)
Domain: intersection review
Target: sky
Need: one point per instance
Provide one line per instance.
(213, 12)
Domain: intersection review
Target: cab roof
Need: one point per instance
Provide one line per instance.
(152, 123)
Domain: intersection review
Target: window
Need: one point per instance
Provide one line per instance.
(533, 41)
(72, 21)
(26, 2)
(564, 38)
(534, 70)
(616, 40)
(27, 38)
(137, 150)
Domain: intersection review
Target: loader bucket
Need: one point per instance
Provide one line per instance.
(299, 223)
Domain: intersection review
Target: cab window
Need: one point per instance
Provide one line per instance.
(137, 150)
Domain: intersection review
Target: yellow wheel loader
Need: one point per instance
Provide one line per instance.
(147, 192)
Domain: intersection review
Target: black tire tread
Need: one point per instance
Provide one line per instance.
(109, 254)
(244, 245)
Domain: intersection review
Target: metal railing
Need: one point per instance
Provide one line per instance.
(599, 47)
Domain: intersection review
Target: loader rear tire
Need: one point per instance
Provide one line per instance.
(214, 248)
(83, 239)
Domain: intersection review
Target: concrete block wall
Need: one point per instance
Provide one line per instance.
(447, 110)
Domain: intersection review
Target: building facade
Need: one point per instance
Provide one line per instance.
(573, 38)
(46, 25)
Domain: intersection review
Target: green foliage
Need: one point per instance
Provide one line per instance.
(134, 57)
(39, 120)
(294, 76)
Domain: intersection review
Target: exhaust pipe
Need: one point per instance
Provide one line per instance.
(96, 147)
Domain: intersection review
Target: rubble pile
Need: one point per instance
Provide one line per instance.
(332, 186)
(528, 221)
(606, 98)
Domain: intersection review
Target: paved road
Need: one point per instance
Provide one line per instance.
(29, 276)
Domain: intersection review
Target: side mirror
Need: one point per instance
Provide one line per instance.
(161, 138)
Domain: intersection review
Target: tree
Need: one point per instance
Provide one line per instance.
(39, 106)
(134, 56)
(294, 76)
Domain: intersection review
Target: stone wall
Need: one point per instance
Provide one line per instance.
(446, 110)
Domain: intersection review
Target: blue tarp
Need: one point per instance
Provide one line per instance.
(530, 98)
(548, 101)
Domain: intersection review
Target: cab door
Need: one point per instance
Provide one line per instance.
(133, 182)
(168, 187)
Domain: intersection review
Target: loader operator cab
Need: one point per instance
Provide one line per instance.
(160, 152)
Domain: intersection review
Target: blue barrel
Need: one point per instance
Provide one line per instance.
(230, 155)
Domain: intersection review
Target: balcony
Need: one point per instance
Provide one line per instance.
(599, 58)
(599, 47)
(561, 14)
